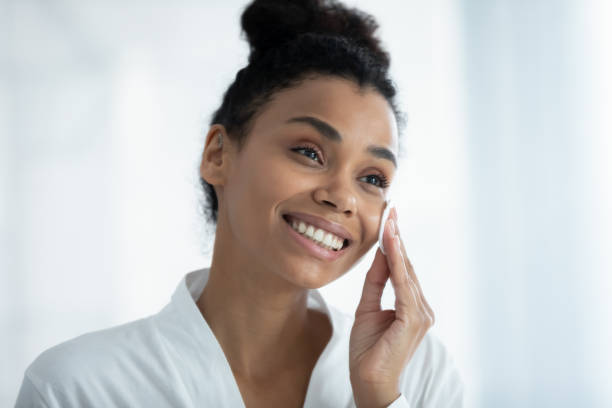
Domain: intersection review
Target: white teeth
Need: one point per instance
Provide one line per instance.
(321, 237)
(310, 231)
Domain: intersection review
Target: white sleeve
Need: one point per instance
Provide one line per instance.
(30, 396)
(432, 380)
(446, 395)
(446, 387)
(400, 402)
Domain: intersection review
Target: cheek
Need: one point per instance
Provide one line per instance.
(375, 220)
(371, 220)
(271, 182)
(259, 185)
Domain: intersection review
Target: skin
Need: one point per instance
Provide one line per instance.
(256, 298)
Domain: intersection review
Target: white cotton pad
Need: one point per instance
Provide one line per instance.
(383, 221)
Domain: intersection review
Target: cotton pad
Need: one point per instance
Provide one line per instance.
(383, 221)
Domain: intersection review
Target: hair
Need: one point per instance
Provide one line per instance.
(291, 41)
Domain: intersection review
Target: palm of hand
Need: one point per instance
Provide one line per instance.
(372, 347)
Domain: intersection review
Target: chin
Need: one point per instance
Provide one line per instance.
(311, 277)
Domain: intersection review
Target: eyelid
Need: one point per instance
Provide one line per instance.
(384, 180)
(312, 146)
(378, 171)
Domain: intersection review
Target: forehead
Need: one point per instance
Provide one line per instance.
(359, 114)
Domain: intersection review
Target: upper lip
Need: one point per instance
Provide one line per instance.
(322, 223)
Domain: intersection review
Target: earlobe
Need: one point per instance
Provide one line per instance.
(215, 158)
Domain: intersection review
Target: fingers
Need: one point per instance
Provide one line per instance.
(407, 301)
(412, 274)
(410, 302)
(374, 285)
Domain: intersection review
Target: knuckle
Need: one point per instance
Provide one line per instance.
(415, 319)
(422, 320)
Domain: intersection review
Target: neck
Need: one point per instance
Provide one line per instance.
(259, 318)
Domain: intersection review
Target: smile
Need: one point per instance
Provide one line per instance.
(323, 238)
(315, 248)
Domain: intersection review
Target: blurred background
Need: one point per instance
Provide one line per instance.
(504, 194)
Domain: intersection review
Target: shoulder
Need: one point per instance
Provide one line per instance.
(93, 356)
(432, 354)
(431, 377)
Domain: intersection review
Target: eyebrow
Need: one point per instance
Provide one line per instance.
(332, 134)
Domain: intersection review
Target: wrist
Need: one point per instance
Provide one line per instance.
(374, 395)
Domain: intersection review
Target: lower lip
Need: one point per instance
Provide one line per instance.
(314, 249)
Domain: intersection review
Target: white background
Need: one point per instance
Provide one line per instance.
(504, 196)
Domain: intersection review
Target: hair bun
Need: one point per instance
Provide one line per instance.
(270, 23)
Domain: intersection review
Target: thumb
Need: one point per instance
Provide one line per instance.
(374, 284)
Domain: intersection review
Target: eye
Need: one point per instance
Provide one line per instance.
(379, 180)
(311, 152)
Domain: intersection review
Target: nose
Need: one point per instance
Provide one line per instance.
(337, 195)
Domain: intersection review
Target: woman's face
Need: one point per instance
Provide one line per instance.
(321, 153)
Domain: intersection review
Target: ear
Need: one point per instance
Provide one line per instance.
(216, 158)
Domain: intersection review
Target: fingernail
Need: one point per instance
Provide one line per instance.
(392, 226)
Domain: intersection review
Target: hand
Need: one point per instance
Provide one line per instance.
(383, 341)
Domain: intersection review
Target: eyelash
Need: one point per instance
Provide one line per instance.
(384, 183)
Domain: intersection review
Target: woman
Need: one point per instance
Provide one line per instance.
(296, 169)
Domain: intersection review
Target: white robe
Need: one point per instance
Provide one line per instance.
(173, 359)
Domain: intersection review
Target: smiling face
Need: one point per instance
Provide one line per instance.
(321, 153)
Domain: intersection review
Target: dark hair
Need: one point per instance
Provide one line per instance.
(290, 41)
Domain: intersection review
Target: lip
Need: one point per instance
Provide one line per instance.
(322, 223)
(314, 249)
